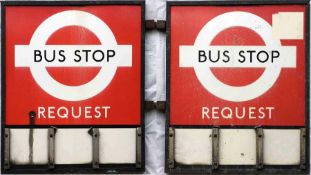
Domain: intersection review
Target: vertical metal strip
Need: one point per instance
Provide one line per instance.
(303, 148)
(32, 116)
(51, 147)
(171, 149)
(6, 148)
(138, 147)
(259, 148)
(215, 148)
(30, 142)
(95, 142)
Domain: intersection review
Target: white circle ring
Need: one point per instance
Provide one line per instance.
(43, 78)
(206, 76)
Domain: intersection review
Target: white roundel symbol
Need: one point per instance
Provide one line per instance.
(99, 82)
(208, 79)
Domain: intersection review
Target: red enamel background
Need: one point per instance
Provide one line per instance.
(188, 96)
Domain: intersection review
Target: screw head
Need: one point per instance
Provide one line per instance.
(32, 114)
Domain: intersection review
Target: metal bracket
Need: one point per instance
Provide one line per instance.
(51, 147)
(215, 148)
(155, 25)
(158, 105)
(94, 132)
(171, 146)
(303, 148)
(6, 148)
(138, 147)
(259, 147)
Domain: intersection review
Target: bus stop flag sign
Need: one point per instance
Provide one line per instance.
(73, 66)
(238, 67)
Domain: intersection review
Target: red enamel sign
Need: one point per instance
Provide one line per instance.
(241, 65)
(73, 65)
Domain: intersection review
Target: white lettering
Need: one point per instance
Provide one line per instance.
(227, 115)
(215, 111)
(51, 112)
(205, 112)
(226, 112)
(106, 110)
(63, 112)
(88, 112)
(41, 111)
(270, 111)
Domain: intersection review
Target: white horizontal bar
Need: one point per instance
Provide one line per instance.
(189, 56)
(66, 55)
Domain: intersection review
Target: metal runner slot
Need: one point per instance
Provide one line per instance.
(94, 132)
(51, 147)
(303, 148)
(171, 148)
(7, 148)
(215, 149)
(138, 147)
(259, 148)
